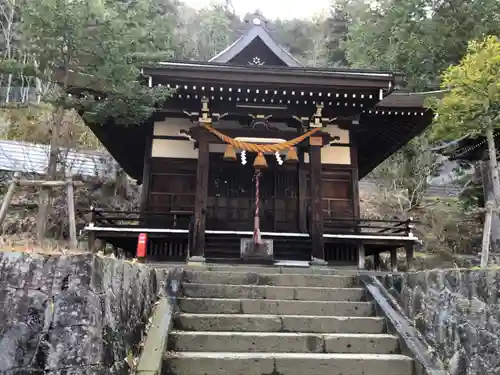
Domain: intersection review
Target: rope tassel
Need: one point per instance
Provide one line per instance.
(230, 154)
(291, 156)
(260, 161)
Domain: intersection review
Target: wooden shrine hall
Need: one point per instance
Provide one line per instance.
(257, 158)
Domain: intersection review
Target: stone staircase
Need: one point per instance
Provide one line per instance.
(236, 322)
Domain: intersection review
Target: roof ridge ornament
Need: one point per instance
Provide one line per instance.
(256, 19)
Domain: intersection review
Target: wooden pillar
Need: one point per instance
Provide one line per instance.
(200, 203)
(409, 248)
(361, 256)
(92, 236)
(302, 203)
(70, 196)
(394, 260)
(316, 200)
(146, 171)
(376, 261)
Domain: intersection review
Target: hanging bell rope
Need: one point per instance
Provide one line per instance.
(256, 222)
(254, 147)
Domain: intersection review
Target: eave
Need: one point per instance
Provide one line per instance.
(284, 77)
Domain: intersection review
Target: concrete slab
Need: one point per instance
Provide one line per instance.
(272, 292)
(196, 363)
(274, 323)
(282, 342)
(276, 307)
(297, 280)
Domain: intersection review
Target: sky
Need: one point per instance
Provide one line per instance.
(284, 9)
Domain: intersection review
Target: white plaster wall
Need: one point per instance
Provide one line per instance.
(171, 127)
(167, 148)
(334, 130)
(333, 155)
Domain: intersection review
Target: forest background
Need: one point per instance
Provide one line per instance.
(110, 38)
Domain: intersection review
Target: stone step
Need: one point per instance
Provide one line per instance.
(243, 268)
(274, 323)
(276, 307)
(297, 280)
(272, 292)
(282, 342)
(196, 363)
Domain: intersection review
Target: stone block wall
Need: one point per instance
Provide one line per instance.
(458, 312)
(73, 314)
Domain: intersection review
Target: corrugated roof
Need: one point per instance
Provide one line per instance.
(32, 158)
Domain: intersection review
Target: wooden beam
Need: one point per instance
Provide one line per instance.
(8, 196)
(267, 78)
(361, 256)
(73, 242)
(316, 200)
(200, 203)
(146, 172)
(302, 203)
(410, 251)
(354, 174)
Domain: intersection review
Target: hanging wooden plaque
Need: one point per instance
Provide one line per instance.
(316, 141)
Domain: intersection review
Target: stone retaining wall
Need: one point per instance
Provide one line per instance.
(458, 313)
(73, 314)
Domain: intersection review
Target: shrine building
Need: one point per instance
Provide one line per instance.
(256, 158)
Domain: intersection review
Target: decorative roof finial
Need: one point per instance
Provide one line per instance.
(255, 19)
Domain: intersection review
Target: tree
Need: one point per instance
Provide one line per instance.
(419, 38)
(337, 30)
(206, 32)
(405, 175)
(98, 44)
(473, 104)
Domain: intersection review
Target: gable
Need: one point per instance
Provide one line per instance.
(257, 53)
(256, 47)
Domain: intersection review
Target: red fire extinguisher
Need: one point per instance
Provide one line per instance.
(141, 245)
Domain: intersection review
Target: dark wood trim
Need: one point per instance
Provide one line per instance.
(302, 202)
(316, 202)
(355, 175)
(146, 172)
(281, 77)
(171, 137)
(200, 203)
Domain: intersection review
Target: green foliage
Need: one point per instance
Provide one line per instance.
(473, 102)
(420, 38)
(32, 123)
(338, 26)
(17, 68)
(202, 34)
(104, 42)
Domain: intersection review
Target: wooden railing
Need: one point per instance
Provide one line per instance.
(181, 219)
(174, 219)
(368, 226)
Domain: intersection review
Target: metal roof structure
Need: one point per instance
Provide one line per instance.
(33, 158)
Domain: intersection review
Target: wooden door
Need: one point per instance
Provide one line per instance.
(231, 196)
